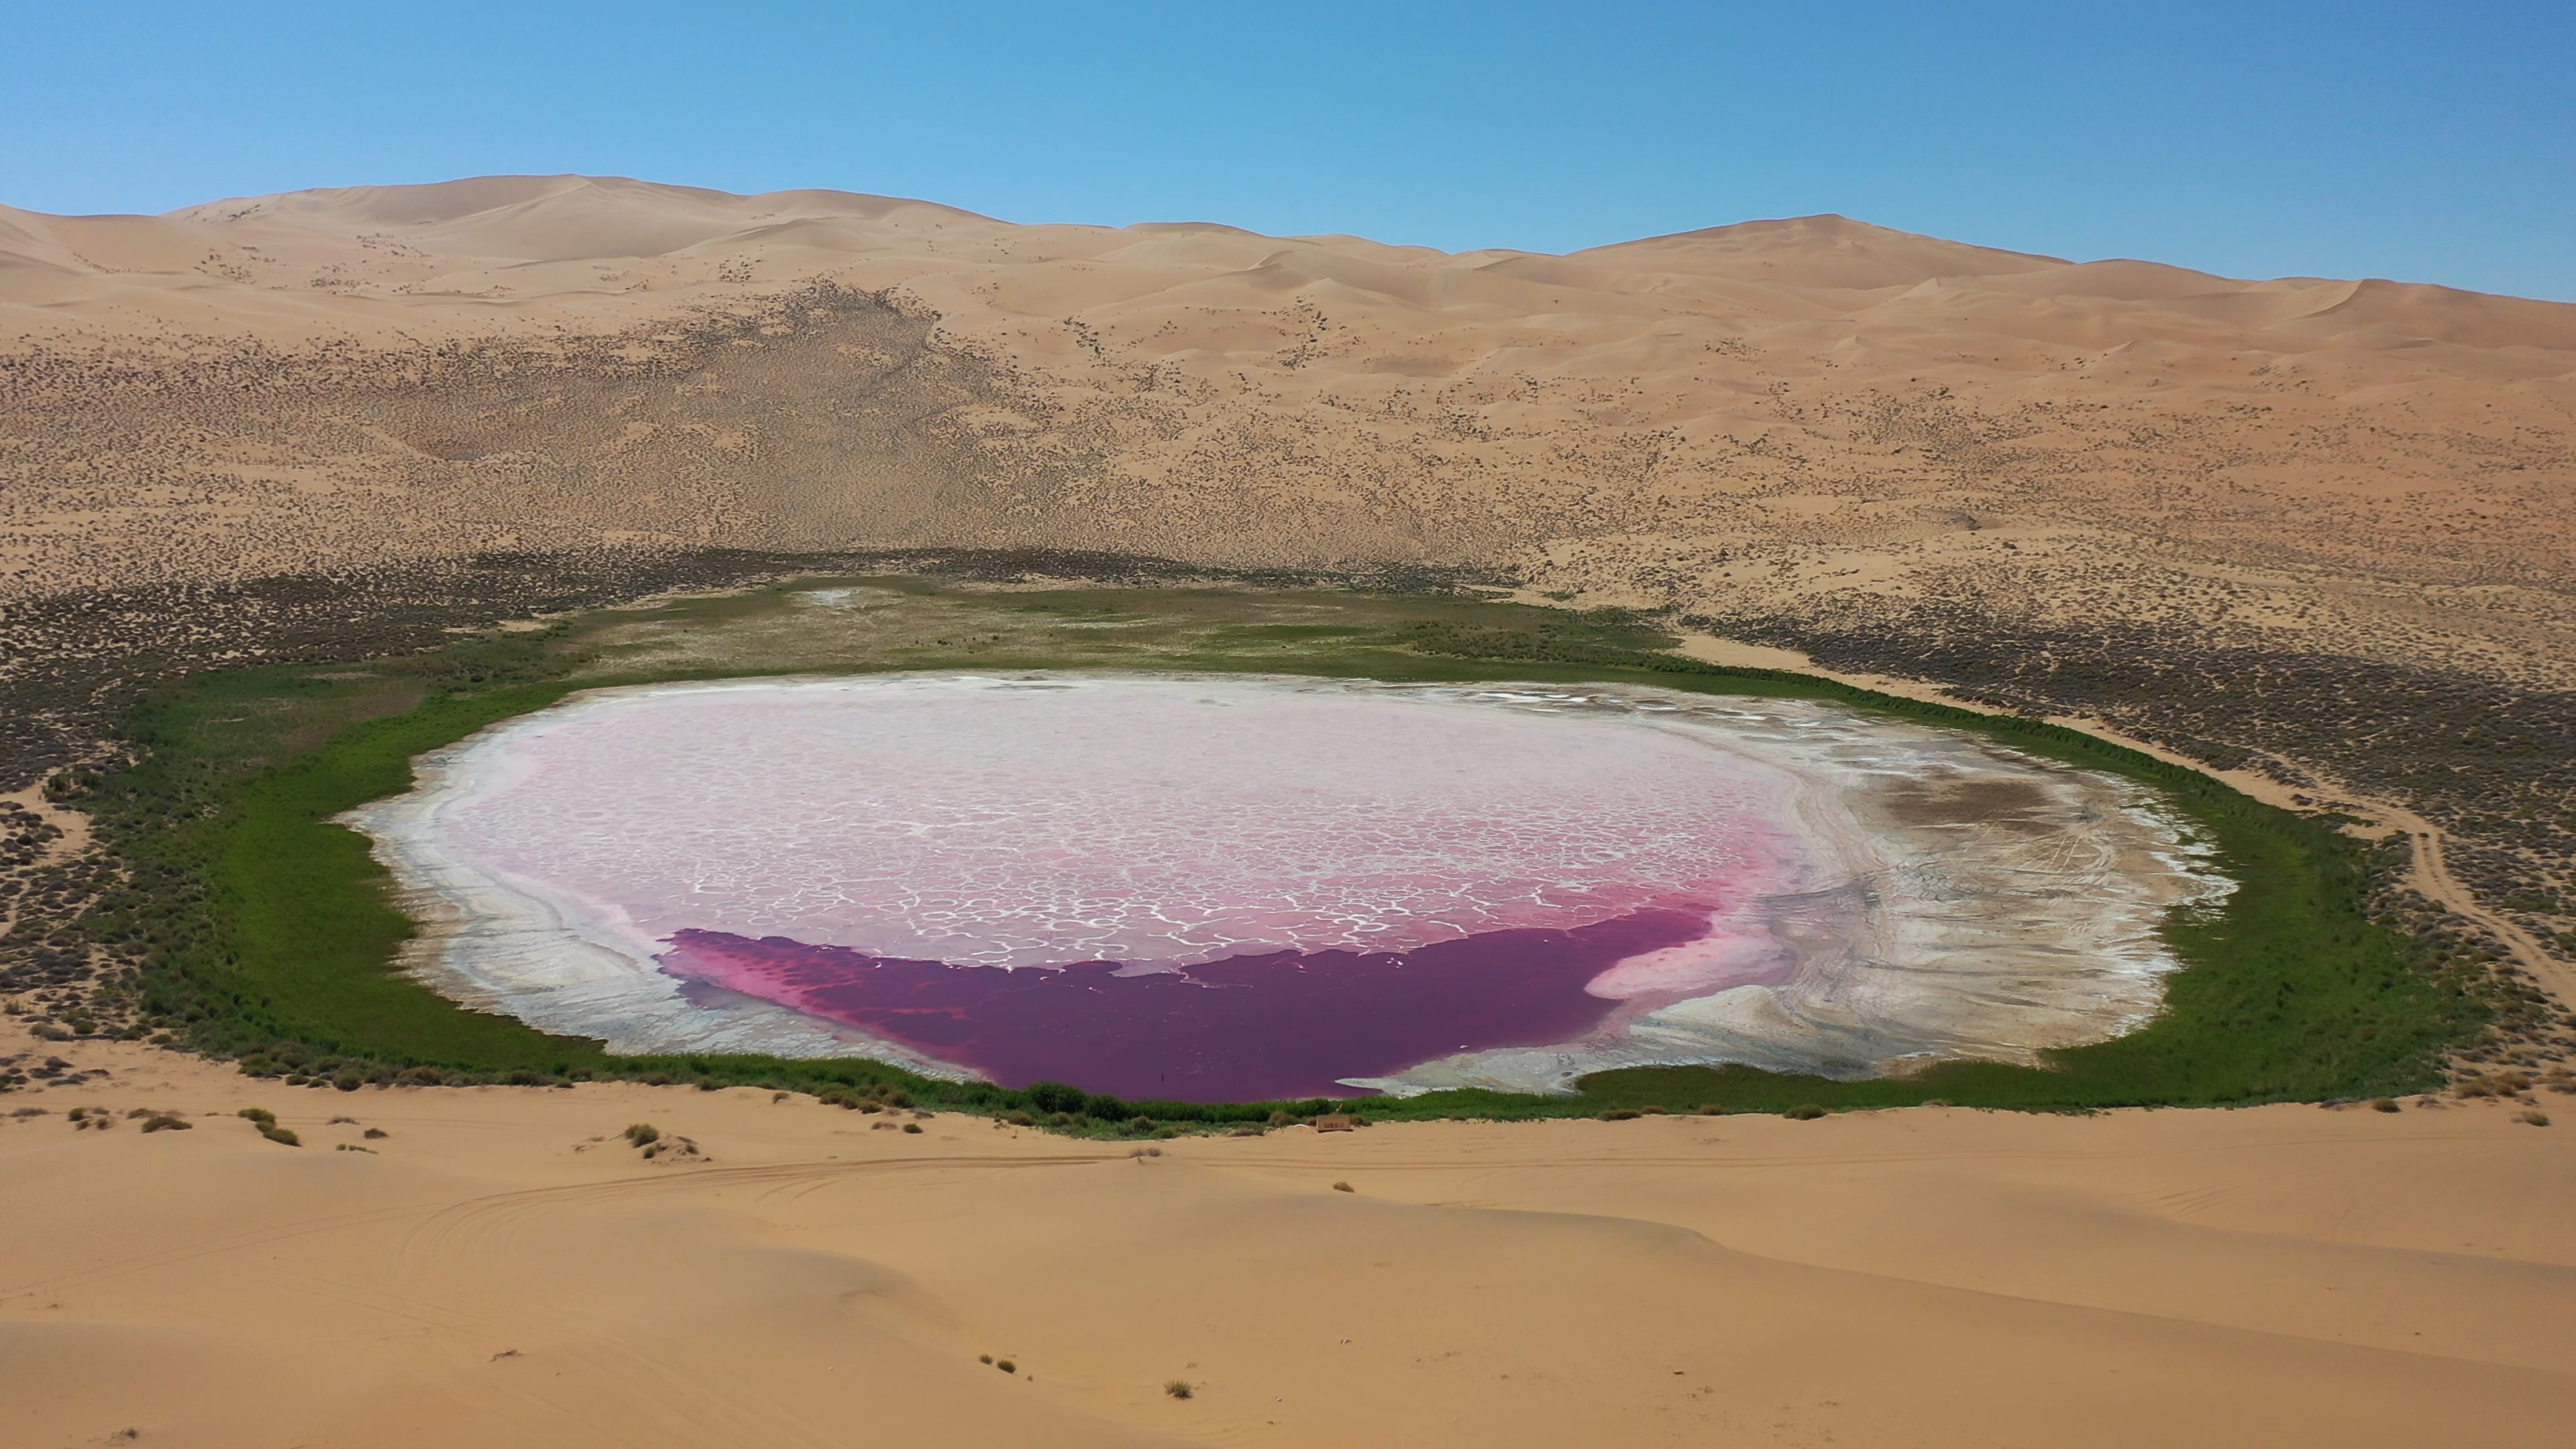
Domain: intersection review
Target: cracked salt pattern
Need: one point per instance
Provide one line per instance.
(1145, 821)
(1854, 921)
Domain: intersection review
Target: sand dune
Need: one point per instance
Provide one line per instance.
(501, 1269)
(1774, 416)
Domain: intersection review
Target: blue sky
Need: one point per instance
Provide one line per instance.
(2418, 141)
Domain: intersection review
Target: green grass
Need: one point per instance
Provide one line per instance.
(268, 932)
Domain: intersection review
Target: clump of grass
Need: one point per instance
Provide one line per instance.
(30, 1112)
(1006, 1366)
(1247, 1129)
(166, 1123)
(1652, 1112)
(1344, 1187)
(375, 1132)
(1180, 1389)
(1619, 1114)
(2383, 1104)
(983, 1358)
(912, 1127)
(643, 1134)
(1807, 1113)
(354, 1147)
(282, 1136)
(2535, 1117)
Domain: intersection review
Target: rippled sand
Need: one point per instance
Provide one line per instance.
(1875, 892)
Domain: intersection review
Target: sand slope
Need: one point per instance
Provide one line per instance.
(494, 1274)
(1797, 415)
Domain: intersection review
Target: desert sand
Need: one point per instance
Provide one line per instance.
(2318, 532)
(1813, 415)
(501, 1268)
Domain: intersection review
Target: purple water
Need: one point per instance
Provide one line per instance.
(1281, 1024)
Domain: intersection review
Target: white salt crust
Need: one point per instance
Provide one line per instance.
(1897, 894)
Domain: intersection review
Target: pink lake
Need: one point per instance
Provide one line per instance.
(1154, 886)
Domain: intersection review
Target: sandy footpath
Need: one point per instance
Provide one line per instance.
(502, 1269)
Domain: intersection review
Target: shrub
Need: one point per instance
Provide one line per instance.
(1140, 1124)
(2383, 1104)
(349, 1079)
(1807, 1113)
(1055, 1097)
(260, 1115)
(1281, 1119)
(1064, 1119)
(166, 1123)
(1344, 1187)
(912, 1127)
(1179, 1389)
(984, 1358)
(1650, 1111)
(896, 1097)
(281, 1136)
(1006, 1366)
(643, 1134)
(1618, 1114)
(2535, 1117)
(374, 1132)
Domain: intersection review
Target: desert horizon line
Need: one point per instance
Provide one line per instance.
(195, 212)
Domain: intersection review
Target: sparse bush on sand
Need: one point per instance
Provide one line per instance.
(1344, 1187)
(643, 1134)
(2383, 1104)
(2535, 1117)
(166, 1123)
(1807, 1113)
(1179, 1389)
(1618, 1114)
(912, 1127)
